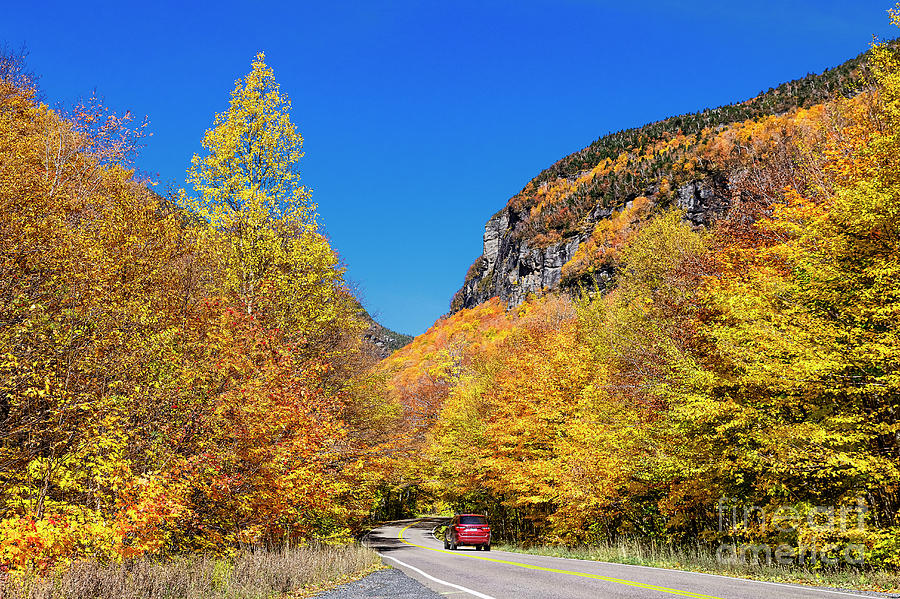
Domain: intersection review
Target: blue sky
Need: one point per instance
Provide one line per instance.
(421, 119)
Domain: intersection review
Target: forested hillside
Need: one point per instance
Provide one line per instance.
(176, 374)
(538, 241)
(745, 362)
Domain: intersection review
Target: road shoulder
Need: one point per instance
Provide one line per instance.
(382, 584)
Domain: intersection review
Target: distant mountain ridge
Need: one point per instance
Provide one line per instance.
(538, 240)
(384, 341)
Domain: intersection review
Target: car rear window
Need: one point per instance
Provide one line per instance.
(472, 520)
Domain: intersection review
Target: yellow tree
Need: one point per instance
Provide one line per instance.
(263, 226)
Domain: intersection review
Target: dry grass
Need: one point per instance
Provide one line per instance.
(701, 559)
(258, 574)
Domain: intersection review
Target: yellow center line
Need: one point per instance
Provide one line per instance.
(631, 583)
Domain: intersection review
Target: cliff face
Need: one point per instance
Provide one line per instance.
(511, 267)
(553, 233)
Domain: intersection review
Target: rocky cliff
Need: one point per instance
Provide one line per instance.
(540, 239)
(512, 266)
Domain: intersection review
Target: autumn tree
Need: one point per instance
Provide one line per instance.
(89, 270)
(809, 323)
(307, 375)
(263, 226)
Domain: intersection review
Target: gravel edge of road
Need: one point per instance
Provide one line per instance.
(390, 583)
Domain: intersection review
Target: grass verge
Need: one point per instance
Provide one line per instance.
(701, 559)
(256, 574)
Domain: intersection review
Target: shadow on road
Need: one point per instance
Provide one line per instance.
(385, 538)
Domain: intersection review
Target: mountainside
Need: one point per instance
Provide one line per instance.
(384, 340)
(562, 229)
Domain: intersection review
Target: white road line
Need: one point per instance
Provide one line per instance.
(438, 580)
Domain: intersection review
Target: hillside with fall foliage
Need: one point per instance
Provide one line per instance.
(750, 357)
(177, 374)
(540, 239)
(678, 323)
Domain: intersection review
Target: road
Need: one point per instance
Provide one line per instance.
(466, 573)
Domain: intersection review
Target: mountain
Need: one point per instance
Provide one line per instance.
(384, 341)
(560, 231)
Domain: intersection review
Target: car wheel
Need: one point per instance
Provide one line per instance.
(487, 547)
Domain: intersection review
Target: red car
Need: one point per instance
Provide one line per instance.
(468, 529)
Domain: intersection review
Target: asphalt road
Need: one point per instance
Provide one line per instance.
(465, 573)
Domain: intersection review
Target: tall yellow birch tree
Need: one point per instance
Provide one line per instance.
(263, 226)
